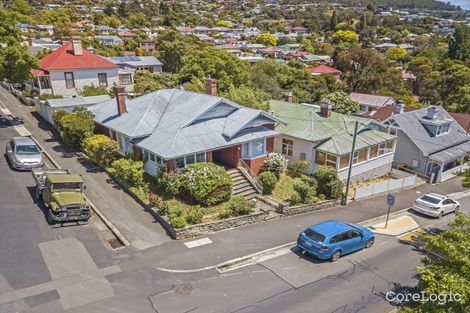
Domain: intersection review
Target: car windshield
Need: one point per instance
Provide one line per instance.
(27, 149)
(430, 199)
(64, 186)
(314, 235)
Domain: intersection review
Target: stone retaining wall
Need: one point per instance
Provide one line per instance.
(306, 208)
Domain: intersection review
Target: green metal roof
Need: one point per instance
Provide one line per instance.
(332, 134)
(65, 178)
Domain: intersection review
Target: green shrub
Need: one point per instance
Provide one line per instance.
(178, 222)
(48, 96)
(299, 166)
(92, 90)
(295, 198)
(194, 215)
(239, 205)
(268, 180)
(101, 149)
(128, 172)
(57, 116)
(170, 182)
(225, 213)
(275, 163)
(312, 182)
(304, 190)
(328, 182)
(206, 183)
(74, 127)
(141, 192)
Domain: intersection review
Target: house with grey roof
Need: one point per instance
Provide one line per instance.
(430, 142)
(138, 63)
(174, 127)
(369, 103)
(317, 134)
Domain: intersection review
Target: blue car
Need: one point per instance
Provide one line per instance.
(332, 239)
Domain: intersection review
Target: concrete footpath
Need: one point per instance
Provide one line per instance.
(121, 209)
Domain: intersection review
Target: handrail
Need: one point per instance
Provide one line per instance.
(248, 173)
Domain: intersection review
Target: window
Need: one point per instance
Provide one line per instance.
(152, 157)
(373, 151)
(320, 157)
(287, 147)
(125, 79)
(179, 162)
(362, 155)
(331, 160)
(190, 159)
(392, 131)
(442, 129)
(69, 82)
(386, 147)
(119, 140)
(254, 148)
(303, 156)
(355, 156)
(344, 161)
(102, 80)
(314, 235)
(201, 157)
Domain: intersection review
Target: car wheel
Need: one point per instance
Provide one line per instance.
(335, 256)
(441, 214)
(370, 242)
(456, 210)
(49, 219)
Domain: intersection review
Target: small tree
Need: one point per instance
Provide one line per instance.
(328, 182)
(345, 37)
(342, 103)
(76, 126)
(299, 166)
(100, 149)
(268, 180)
(57, 116)
(266, 39)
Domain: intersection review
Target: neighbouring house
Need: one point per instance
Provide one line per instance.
(322, 137)
(174, 127)
(109, 40)
(430, 142)
(138, 63)
(68, 69)
(385, 112)
(463, 119)
(323, 59)
(47, 108)
(369, 103)
(35, 45)
(325, 70)
(147, 46)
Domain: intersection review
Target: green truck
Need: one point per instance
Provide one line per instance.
(62, 194)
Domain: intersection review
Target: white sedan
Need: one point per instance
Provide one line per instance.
(435, 205)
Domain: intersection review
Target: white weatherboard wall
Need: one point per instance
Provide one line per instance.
(300, 146)
(82, 78)
(379, 166)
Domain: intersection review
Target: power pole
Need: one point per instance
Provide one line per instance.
(351, 157)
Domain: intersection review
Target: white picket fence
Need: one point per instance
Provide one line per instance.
(387, 186)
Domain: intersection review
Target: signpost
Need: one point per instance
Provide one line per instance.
(390, 202)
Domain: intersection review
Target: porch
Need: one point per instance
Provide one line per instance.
(446, 164)
(41, 83)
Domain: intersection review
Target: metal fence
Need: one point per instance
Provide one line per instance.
(387, 186)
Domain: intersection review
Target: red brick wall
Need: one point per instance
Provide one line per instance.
(209, 156)
(229, 156)
(170, 165)
(255, 164)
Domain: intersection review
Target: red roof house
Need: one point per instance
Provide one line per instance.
(324, 70)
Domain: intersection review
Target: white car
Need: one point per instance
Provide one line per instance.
(435, 205)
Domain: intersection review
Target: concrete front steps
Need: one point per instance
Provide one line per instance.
(241, 185)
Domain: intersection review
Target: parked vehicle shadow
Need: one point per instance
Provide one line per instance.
(90, 166)
(306, 256)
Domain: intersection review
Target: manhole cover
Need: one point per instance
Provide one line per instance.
(184, 289)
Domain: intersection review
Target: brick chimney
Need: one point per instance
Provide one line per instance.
(120, 100)
(288, 97)
(326, 108)
(77, 46)
(211, 87)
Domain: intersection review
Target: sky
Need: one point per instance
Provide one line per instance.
(464, 4)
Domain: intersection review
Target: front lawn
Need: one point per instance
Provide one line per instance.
(285, 186)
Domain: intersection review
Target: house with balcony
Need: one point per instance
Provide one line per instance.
(322, 137)
(67, 70)
(430, 142)
(174, 127)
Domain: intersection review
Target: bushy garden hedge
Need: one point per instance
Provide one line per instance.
(74, 127)
(101, 149)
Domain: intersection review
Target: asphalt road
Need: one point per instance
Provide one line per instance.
(295, 282)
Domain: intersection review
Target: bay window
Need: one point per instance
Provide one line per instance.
(254, 148)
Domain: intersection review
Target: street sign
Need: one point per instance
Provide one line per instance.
(390, 199)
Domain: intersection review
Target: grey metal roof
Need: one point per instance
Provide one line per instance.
(135, 61)
(170, 122)
(372, 100)
(410, 123)
(452, 153)
(76, 101)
